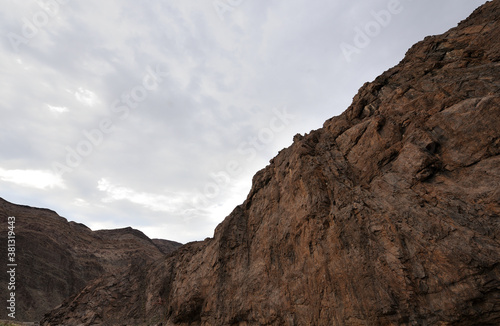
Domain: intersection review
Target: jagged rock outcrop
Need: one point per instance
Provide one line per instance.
(388, 215)
(57, 258)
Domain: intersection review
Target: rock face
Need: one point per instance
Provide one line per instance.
(57, 258)
(388, 215)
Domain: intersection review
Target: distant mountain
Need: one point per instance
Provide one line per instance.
(388, 215)
(56, 258)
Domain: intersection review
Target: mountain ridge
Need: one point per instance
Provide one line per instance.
(57, 258)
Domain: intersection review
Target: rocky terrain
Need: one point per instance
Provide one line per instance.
(388, 215)
(57, 258)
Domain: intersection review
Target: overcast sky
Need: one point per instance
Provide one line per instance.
(156, 114)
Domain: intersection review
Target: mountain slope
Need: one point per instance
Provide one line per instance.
(388, 215)
(57, 258)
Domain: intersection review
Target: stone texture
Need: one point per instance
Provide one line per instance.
(388, 215)
(57, 258)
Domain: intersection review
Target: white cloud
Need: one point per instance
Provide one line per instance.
(39, 179)
(101, 225)
(57, 109)
(86, 97)
(81, 202)
(173, 203)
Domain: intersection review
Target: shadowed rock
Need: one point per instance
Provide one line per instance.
(57, 258)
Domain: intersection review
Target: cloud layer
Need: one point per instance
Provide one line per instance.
(157, 114)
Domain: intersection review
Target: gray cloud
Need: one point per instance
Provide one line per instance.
(183, 154)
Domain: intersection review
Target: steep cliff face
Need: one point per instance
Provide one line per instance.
(388, 215)
(56, 258)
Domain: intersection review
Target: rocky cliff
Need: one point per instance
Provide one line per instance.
(388, 215)
(57, 258)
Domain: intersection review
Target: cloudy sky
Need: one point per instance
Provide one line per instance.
(156, 114)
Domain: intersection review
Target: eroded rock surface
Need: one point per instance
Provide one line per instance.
(57, 258)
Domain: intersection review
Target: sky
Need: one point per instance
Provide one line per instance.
(156, 114)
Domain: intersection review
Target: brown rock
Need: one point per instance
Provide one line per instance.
(388, 215)
(166, 246)
(56, 258)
